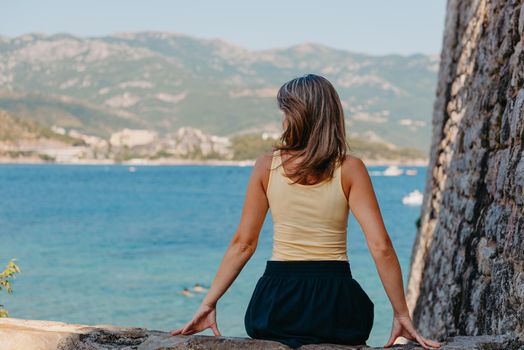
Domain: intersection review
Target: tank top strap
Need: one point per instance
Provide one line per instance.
(276, 158)
(273, 171)
(275, 162)
(336, 172)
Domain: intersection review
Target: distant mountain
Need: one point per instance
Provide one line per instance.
(23, 139)
(14, 130)
(69, 113)
(163, 81)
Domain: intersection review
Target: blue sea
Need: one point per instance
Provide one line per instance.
(103, 245)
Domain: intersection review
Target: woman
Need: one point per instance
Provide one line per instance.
(306, 294)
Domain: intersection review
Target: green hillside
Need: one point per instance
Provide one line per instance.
(14, 129)
(51, 110)
(251, 146)
(164, 81)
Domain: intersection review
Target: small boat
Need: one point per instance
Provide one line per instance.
(131, 169)
(413, 198)
(375, 173)
(411, 172)
(393, 170)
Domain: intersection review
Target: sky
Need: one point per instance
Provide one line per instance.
(368, 26)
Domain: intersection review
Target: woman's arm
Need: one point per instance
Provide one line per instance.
(245, 239)
(240, 249)
(363, 203)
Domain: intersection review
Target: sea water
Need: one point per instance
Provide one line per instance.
(106, 245)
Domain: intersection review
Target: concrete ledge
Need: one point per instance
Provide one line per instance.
(17, 334)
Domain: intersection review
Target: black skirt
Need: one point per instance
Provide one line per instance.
(309, 302)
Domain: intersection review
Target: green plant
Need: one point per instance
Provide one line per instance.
(46, 158)
(5, 282)
(250, 146)
(161, 154)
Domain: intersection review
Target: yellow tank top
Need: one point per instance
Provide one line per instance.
(309, 221)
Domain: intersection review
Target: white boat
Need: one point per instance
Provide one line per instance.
(131, 169)
(393, 170)
(413, 198)
(375, 173)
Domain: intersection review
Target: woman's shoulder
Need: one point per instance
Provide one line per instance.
(354, 163)
(262, 167)
(263, 163)
(353, 168)
(264, 159)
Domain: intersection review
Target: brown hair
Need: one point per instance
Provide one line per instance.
(315, 127)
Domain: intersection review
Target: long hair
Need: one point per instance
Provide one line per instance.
(315, 127)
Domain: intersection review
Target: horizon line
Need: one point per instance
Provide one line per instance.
(219, 39)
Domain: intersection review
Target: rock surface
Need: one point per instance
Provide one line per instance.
(467, 272)
(18, 334)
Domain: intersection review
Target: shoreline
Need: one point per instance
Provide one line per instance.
(176, 162)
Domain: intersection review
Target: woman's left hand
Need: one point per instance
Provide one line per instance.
(204, 318)
(403, 327)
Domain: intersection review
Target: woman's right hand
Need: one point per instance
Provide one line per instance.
(403, 327)
(204, 318)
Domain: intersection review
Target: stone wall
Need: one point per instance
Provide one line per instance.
(18, 334)
(467, 272)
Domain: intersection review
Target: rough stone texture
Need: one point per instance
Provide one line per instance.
(18, 334)
(467, 274)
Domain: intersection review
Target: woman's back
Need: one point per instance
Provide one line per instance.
(307, 294)
(309, 221)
